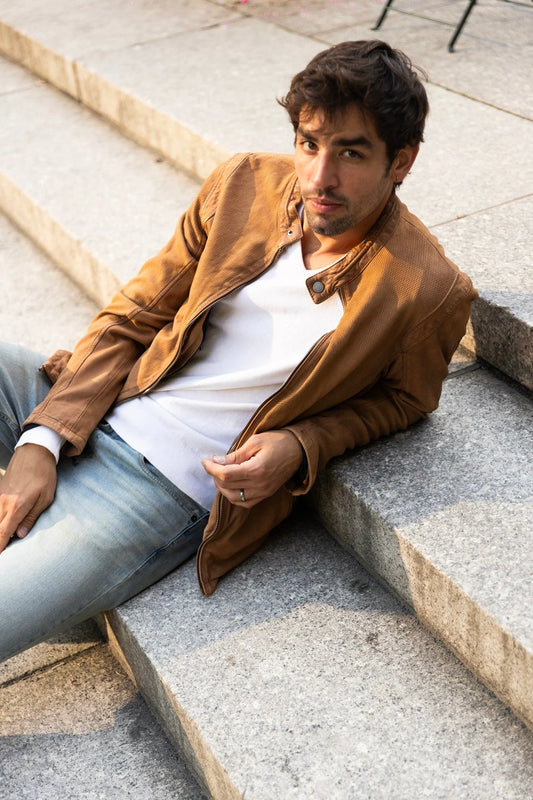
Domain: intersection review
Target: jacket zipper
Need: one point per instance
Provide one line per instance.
(207, 308)
(242, 436)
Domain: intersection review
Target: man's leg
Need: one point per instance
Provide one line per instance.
(115, 526)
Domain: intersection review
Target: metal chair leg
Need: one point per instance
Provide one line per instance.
(382, 15)
(461, 25)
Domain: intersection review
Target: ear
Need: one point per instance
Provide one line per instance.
(404, 160)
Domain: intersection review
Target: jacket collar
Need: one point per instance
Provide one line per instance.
(325, 283)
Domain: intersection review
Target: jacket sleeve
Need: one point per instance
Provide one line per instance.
(407, 391)
(88, 381)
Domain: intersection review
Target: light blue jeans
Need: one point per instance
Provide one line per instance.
(116, 525)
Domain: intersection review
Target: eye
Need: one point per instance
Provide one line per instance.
(352, 155)
(307, 145)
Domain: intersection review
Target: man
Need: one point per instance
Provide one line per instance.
(298, 310)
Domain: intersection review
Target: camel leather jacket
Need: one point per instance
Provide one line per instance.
(406, 307)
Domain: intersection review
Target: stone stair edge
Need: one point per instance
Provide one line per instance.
(140, 122)
(160, 669)
(429, 563)
(499, 336)
(62, 246)
(494, 655)
(178, 726)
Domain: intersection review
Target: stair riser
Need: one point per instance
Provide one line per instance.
(179, 727)
(145, 125)
(497, 336)
(495, 657)
(63, 248)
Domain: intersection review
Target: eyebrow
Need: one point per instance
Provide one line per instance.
(357, 141)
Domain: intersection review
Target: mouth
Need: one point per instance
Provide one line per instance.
(323, 205)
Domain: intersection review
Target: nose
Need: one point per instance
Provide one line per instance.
(324, 173)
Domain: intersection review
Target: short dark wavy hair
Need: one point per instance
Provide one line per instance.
(380, 80)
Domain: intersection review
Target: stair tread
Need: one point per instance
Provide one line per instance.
(302, 677)
(116, 200)
(444, 514)
(79, 728)
(41, 307)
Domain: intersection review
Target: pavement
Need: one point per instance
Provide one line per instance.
(302, 677)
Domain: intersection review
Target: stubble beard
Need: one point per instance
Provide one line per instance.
(334, 227)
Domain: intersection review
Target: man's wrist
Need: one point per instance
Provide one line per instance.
(45, 437)
(301, 473)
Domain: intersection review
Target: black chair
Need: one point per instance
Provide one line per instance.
(458, 29)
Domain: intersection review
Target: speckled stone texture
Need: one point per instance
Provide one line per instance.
(76, 727)
(97, 203)
(443, 513)
(301, 677)
(41, 306)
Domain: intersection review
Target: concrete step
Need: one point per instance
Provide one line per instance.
(149, 76)
(302, 678)
(443, 513)
(73, 725)
(41, 307)
(98, 204)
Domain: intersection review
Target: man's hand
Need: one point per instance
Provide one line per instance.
(258, 468)
(26, 489)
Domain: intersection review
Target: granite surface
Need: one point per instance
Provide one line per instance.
(301, 677)
(443, 513)
(491, 58)
(77, 728)
(41, 306)
(97, 202)
(55, 650)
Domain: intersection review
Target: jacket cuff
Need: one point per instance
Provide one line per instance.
(304, 477)
(43, 436)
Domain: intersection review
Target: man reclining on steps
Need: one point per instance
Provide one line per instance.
(298, 310)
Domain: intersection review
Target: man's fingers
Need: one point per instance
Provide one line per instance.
(19, 517)
(26, 489)
(230, 475)
(30, 519)
(246, 498)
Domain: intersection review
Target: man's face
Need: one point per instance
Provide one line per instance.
(344, 173)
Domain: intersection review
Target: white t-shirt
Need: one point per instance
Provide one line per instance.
(254, 339)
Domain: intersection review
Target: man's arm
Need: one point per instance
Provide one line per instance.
(88, 381)
(267, 461)
(406, 393)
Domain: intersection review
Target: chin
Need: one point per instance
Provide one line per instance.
(329, 227)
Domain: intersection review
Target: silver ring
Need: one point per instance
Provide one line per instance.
(243, 496)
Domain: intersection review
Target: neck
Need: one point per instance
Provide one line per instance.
(319, 250)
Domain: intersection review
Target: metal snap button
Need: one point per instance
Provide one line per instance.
(318, 287)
